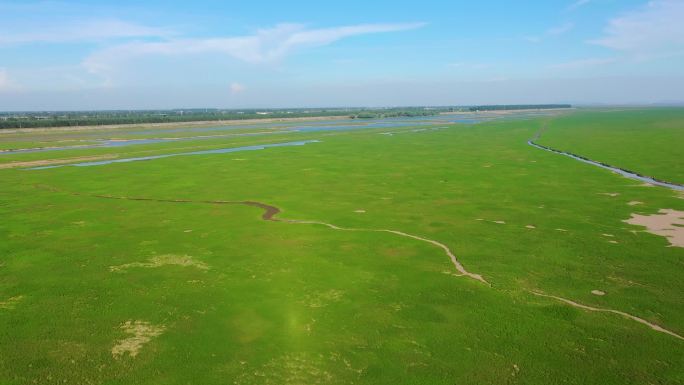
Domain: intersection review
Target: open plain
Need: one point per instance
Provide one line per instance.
(437, 250)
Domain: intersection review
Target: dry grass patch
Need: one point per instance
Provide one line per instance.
(321, 299)
(10, 302)
(142, 333)
(163, 260)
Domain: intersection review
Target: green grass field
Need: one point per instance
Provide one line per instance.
(217, 295)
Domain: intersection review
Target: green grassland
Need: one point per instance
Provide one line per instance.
(290, 303)
(648, 141)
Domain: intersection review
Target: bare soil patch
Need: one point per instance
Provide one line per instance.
(667, 223)
(142, 333)
(50, 162)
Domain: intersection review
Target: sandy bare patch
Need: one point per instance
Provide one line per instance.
(11, 302)
(598, 292)
(613, 195)
(360, 211)
(500, 222)
(142, 333)
(163, 260)
(635, 203)
(50, 162)
(608, 235)
(531, 226)
(614, 242)
(562, 230)
(667, 223)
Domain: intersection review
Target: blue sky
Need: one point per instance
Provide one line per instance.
(171, 54)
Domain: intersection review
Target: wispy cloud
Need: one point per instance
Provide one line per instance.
(86, 31)
(582, 63)
(551, 32)
(656, 28)
(6, 82)
(469, 65)
(4, 79)
(236, 88)
(266, 45)
(560, 29)
(577, 4)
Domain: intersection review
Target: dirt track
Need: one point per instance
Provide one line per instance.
(270, 212)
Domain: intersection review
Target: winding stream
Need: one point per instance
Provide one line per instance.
(203, 152)
(626, 173)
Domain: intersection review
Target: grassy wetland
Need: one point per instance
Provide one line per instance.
(416, 252)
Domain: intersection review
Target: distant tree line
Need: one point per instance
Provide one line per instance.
(398, 113)
(505, 107)
(98, 118)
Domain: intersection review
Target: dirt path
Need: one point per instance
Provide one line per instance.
(270, 212)
(459, 267)
(596, 309)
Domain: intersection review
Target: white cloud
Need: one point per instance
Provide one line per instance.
(577, 4)
(560, 29)
(6, 83)
(88, 31)
(656, 28)
(582, 63)
(236, 88)
(4, 79)
(266, 45)
(553, 31)
(473, 66)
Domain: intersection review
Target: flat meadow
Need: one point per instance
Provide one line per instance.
(159, 271)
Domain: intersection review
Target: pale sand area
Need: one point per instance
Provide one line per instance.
(667, 223)
(50, 162)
